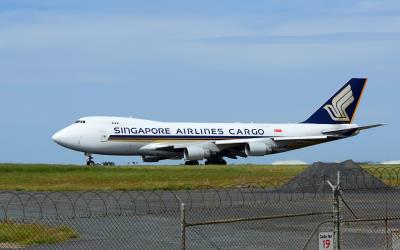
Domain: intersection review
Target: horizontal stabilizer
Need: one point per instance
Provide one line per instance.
(372, 126)
(350, 130)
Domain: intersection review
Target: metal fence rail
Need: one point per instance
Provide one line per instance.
(341, 214)
(101, 203)
(141, 202)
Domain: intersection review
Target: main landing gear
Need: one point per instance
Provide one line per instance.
(191, 162)
(215, 161)
(89, 160)
(212, 161)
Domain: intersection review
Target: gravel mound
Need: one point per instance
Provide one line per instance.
(314, 179)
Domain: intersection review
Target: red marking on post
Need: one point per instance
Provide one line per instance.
(278, 130)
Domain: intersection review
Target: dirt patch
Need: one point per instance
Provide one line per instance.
(314, 179)
(7, 245)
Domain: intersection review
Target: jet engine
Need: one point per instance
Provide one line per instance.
(257, 149)
(194, 153)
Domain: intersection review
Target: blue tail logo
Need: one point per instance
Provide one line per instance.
(342, 107)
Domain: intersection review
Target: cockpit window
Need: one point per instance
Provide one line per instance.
(80, 121)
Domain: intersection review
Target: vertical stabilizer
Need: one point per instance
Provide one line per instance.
(342, 106)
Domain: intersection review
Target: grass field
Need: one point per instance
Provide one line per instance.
(17, 235)
(73, 178)
(40, 177)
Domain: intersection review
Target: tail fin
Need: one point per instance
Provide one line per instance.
(341, 107)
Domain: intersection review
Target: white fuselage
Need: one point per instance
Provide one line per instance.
(212, 142)
(130, 136)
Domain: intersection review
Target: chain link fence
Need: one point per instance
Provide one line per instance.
(252, 216)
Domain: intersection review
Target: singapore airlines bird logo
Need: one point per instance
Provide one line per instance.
(337, 110)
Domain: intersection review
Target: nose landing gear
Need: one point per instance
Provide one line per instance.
(89, 160)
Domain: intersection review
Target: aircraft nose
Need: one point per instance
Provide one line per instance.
(66, 137)
(57, 137)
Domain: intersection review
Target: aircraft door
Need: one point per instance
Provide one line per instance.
(103, 136)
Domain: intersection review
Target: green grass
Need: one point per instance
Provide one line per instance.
(40, 177)
(20, 234)
(389, 174)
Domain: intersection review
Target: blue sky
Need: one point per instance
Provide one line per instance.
(211, 61)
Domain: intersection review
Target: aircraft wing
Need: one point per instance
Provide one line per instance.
(158, 146)
(302, 138)
(281, 139)
(236, 147)
(172, 146)
(235, 143)
(240, 141)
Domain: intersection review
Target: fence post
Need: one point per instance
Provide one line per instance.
(336, 218)
(336, 212)
(183, 226)
(387, 246)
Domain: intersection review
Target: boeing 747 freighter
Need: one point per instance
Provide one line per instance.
(193, 142)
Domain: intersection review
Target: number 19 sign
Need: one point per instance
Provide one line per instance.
(326, 241)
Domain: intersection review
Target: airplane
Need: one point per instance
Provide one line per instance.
(155, 141)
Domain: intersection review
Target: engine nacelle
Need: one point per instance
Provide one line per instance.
(152, 158)
(257, 149)
(195, 153)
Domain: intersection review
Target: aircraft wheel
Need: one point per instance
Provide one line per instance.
(90, 163)
(191, 163)
(217, 161)
(221, 162)
(89, 160)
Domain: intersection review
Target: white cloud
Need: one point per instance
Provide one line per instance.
(75, 47)
(290, 162)
(378, 6)
(58, 29)
(352, 24)
(391, 162)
